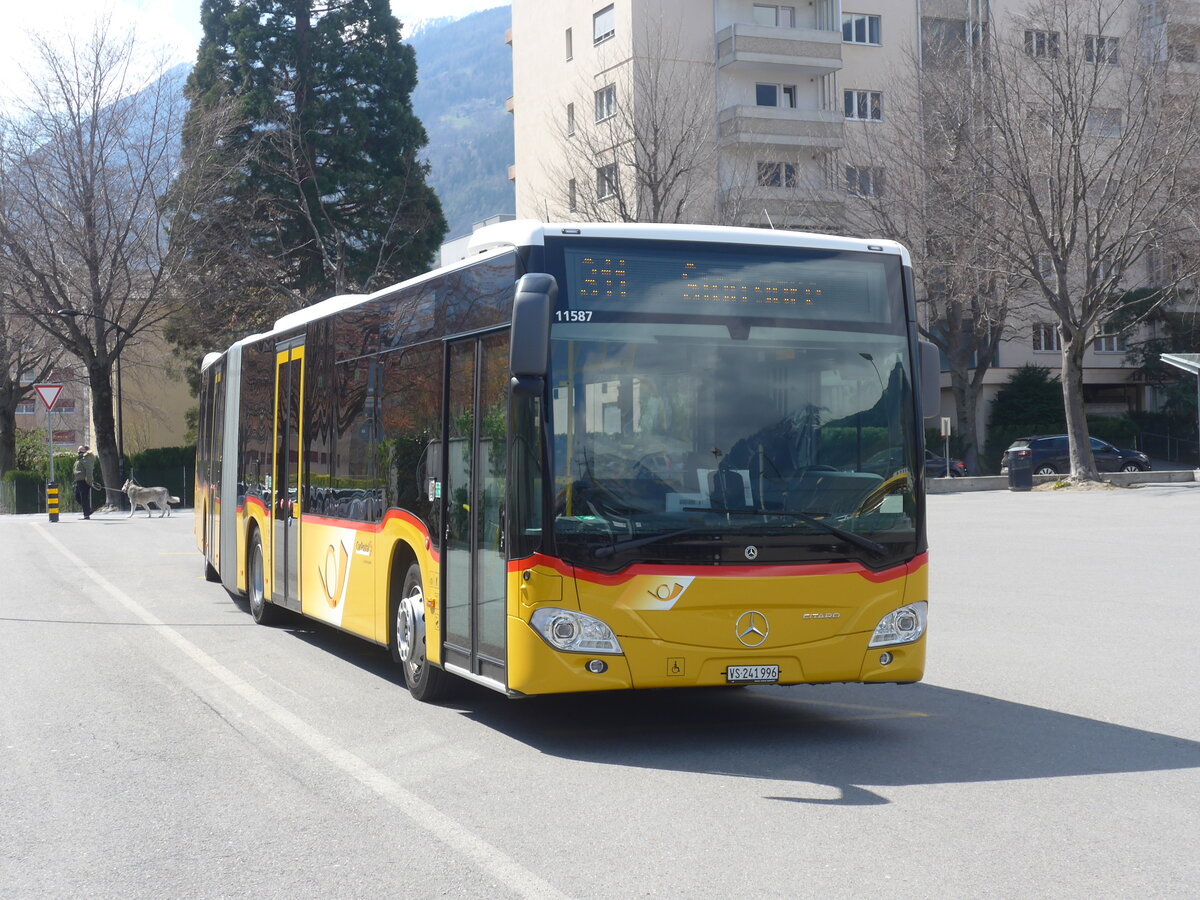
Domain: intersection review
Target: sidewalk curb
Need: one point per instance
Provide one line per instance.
(1000, 482)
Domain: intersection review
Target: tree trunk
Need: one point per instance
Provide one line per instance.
(100, 381)
(1083, 463)
(8, 441)
(966, 403)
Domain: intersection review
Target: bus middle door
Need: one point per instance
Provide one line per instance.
(285, 508)
(474, 562)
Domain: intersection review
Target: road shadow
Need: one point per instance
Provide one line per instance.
(850, 737)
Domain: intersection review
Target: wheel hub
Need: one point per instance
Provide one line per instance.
(409, 616)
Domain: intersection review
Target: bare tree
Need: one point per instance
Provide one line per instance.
(85, 162)
(638, 144)
(1093, 152)
(914, 179)
(25, 360)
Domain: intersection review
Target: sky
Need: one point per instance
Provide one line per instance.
(173, 25)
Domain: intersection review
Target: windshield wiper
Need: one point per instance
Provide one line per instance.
(611, 549)
(848, 536)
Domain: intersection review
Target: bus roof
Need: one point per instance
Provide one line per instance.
(531, 233)
(490, 239)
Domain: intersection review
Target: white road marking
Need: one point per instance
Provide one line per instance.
(458, 839)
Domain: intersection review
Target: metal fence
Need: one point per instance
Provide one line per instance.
(1170, 447)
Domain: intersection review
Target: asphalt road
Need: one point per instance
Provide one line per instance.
(154, 742)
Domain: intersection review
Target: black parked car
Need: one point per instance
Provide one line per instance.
(1052, 456)
(935, 466)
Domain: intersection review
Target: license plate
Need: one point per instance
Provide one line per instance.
(751, 674)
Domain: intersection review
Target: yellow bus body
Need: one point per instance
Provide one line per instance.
(677, 626)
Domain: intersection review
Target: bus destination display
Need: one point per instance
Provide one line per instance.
(835, 286)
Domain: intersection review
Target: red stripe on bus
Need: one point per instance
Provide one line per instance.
(255, 501)
(375, 528)
(633, 571)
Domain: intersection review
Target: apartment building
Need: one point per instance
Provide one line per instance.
(779, 104)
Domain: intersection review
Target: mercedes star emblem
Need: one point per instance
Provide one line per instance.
(752, 628)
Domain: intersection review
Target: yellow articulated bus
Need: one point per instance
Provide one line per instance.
(590, 457)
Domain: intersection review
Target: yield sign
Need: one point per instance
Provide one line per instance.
(49, 393)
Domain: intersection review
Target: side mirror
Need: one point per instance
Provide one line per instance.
(529, 351)
(931, 387)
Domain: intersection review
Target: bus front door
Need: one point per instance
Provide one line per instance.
(474, 559)
(285, 507)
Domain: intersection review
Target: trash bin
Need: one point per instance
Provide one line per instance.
(1020, 471)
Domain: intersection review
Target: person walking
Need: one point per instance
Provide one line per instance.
(84, 473)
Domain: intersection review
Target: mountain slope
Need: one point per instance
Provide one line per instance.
(464, 72)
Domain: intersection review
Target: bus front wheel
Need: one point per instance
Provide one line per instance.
(426, 682)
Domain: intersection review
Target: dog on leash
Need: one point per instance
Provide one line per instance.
(145, 496)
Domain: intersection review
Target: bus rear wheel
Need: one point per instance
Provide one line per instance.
(264, 613)
(425, 681)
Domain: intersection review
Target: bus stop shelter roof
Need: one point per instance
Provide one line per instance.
(1189, 362)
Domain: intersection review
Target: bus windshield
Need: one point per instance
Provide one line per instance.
(726, 404)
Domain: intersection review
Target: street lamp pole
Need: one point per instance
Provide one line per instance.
(121, 330)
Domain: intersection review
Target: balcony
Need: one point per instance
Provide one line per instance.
(799, 208)
(819, 129)
(802, 51)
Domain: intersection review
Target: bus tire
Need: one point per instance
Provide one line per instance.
(426, 682)
(262, 610)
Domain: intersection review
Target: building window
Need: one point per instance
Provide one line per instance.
(64, 405)
(572, 195)
(570, 118)
(604, 24)
(1183, 52)
(1104, 123)
(1106, 270)
(1159, 271)
(26, 408)
(777, 174)
(1041, 44)
(1102, 50)
(1109, 339)
(570, 49)
(864, 105)
(860, 29)
(775, 95)
(775, 16)
(864, 181)
(1046, 266)
(606, 102)
(606, 181)
(1045, 338)
(944, 41)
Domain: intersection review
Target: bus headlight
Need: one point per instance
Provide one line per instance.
(573, 632)
(900, 626)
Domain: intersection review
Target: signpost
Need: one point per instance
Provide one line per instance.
(49, 394)
(946, 438)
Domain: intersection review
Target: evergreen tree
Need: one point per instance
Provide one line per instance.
(301, 112)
